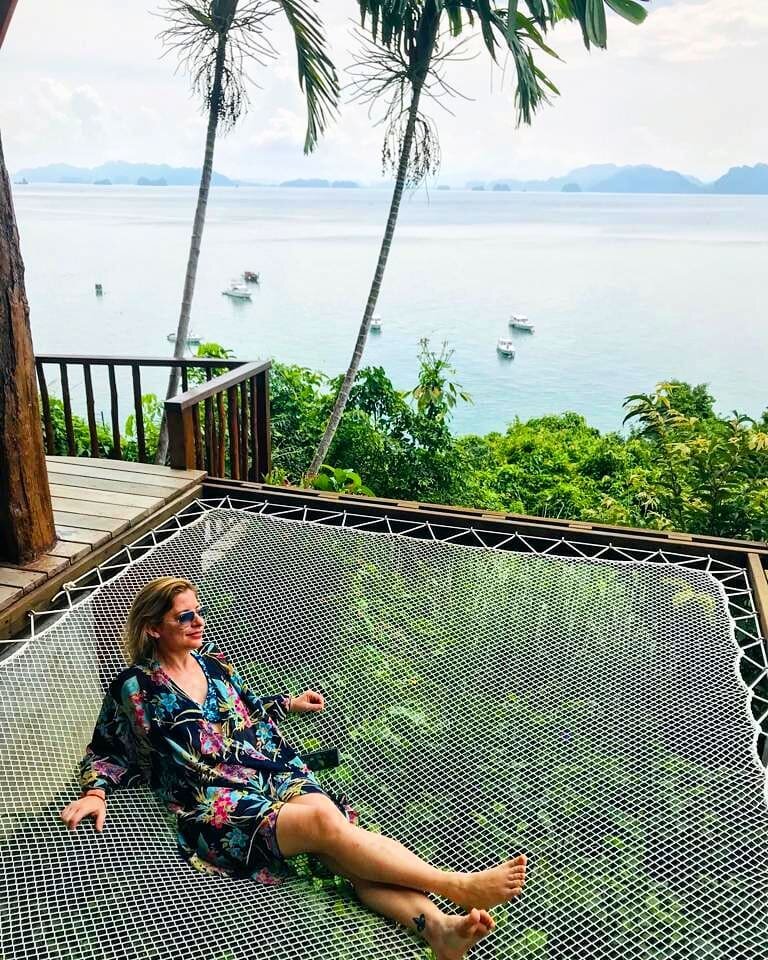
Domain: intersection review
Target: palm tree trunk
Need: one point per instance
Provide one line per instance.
(197, 236)
(429, 29)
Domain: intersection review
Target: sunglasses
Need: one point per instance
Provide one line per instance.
(186, 618)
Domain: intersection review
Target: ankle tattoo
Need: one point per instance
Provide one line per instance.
(420, 922)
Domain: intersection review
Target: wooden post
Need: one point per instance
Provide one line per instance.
(26, 516)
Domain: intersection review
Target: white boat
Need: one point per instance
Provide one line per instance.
(505, 346)
(520, 322)
(376, 323)
(192, 339)
(238, 291)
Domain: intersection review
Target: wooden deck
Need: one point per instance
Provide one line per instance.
(99, 506)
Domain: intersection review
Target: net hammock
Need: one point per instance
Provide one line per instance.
(487, 699)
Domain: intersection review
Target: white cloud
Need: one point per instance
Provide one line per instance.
(696, 30)
(285, 128)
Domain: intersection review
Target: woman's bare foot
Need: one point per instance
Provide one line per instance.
(455, 935)
(488, 888)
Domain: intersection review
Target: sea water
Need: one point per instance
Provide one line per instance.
(624, 291)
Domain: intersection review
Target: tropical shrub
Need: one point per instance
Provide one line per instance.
(681, 466)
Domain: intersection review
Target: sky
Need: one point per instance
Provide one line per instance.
(84, 82)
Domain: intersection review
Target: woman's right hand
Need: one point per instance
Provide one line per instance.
(91, 805)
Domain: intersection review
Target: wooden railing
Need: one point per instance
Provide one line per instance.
(85, 365)
(223, 426)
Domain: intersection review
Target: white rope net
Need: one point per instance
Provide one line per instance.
(592, 713)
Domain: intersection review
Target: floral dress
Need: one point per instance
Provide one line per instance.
(226, 786)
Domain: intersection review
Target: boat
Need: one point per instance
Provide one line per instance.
(192, 339)
(519, 321)
(376, 324)
(238, 291)
(250, 277)
(505, 346)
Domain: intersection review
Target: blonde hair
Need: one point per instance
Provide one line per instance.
(149, 607)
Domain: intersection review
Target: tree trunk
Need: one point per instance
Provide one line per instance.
(197, 236)
(6, 12)
(429, 28)
(26, 515)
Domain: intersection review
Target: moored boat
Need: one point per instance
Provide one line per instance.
(505, 346)
(192, 339)
(376, 324)
(519, 321)
(238, 291)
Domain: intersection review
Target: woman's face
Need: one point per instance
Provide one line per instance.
(174, 637)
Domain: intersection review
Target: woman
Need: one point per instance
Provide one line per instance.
(181, 719)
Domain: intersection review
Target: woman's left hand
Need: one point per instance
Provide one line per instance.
(308, 702)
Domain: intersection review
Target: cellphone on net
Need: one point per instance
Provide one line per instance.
(322, 759)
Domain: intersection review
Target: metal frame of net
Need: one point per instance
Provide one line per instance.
(594, 706)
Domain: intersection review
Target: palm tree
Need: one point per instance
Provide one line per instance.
(404, 60)
(215, 40)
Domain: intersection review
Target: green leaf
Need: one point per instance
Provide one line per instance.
(596, 27)
(317, 74)
(511, 17)
(628, 9)
(322, 482)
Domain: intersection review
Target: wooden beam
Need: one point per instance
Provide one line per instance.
(26, 516)
(758, 579)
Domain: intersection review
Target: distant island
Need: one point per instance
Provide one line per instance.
(313, 182)
(609, 178)
(119, 173)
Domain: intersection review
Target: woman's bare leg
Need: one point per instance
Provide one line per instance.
(316, 826)
(450, 936)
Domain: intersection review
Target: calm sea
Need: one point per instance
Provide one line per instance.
(624, 290)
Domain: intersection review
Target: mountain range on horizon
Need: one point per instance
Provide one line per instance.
(119, 173)
(643, 178)
(594, 178)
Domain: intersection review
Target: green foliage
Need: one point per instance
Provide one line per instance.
(436, 395)
(212, 350)
(81, 434)
(682, 467)
(339, 480)
(705, 473)
(152, 413)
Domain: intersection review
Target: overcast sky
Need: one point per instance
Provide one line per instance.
(82, 82)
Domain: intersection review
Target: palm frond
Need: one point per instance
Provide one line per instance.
(317, 74)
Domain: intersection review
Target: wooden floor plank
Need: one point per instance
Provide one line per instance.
(47, 564)
(107, 473)
(124, 486)
(72, 551)
(96, 509)
(104, 496)
(8, 595)
(85, 522)
(131, 466)
(21, 579)
(77, 535)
